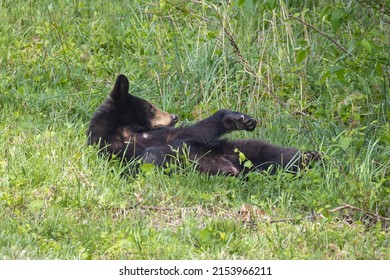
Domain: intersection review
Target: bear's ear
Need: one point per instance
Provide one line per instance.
(121, 88)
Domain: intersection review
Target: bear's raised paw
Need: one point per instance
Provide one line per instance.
(238, 121)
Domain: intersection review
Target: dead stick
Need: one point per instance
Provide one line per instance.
(323, 34)
(311, 217)
(246, 64)
(354, 208)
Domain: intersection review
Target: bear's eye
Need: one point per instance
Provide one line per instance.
(150, 108)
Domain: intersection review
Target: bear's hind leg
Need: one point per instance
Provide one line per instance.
(155, 155)
(265, 156)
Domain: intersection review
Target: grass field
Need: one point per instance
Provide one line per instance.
(316, 73)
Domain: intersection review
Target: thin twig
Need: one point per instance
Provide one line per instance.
(286, 220)
(236, 50)
(134, 205)
(381, 7)
(354, 208)
(157, 208)
(323, 34)
(334, 41)
(312, 217)
(248, 68)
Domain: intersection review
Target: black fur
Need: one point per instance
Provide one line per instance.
(132, 128)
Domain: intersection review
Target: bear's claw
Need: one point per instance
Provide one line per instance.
(310, 156)
(238, 121)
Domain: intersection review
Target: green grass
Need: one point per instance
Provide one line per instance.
(60, 200)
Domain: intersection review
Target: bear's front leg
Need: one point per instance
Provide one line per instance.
(210, 129)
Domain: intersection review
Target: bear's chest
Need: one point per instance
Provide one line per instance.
(126, 134)
(130, 137)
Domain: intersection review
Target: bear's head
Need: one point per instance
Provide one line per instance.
(136, 112)
(123, 114)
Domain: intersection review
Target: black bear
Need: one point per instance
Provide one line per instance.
(133, 128)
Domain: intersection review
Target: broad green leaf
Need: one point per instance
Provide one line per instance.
(301, 56)
(147, 167)
(354, 96)
(36, 205)
(241, 157)
(345, 141)
(336, 19)
(248, 164)
(378, 69)
(205, 196)
(271, 4)
(367, 46)
(336, 68)
(205, 234)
